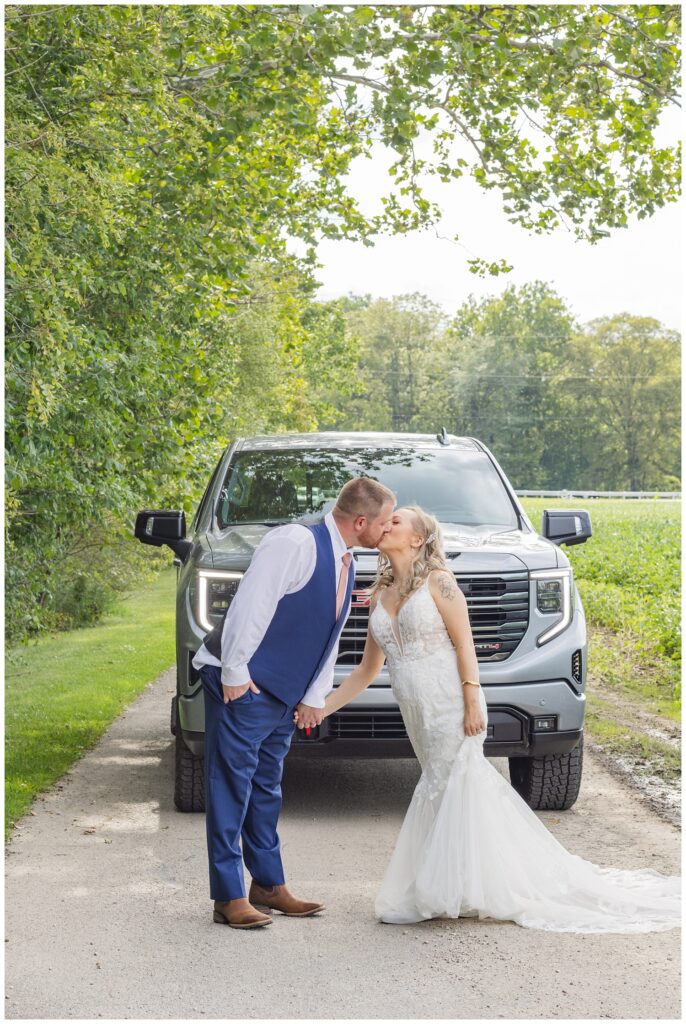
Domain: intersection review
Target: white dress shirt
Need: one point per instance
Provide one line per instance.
(283, 563)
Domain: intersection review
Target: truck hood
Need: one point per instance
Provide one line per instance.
(474, 548)
(469, 549)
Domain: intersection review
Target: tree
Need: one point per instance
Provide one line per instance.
(503, 360)
(159, 159)
(554, 106)
(244, 118)
(630, 402)
(398, 343)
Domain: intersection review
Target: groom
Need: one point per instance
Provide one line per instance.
(274, 652)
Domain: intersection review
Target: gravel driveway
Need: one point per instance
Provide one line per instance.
(107, 912)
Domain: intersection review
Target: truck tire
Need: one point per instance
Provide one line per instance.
(189, 779)
(549, 783)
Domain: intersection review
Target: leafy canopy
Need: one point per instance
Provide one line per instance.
(159, 157)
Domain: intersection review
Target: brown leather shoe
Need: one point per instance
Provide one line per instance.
(238, 914)
(277, 897)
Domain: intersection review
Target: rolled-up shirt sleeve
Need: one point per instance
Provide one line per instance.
(281, 564)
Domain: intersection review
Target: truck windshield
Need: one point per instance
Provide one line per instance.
(281, 485)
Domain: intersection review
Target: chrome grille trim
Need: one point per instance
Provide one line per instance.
(498, 606)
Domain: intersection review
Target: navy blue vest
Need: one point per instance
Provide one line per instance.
(303, 630)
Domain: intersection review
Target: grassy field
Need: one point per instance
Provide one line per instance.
(62, 692)
(629, 579)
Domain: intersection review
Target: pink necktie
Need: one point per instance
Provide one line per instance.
(342, 582)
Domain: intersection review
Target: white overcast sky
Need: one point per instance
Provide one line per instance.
(637, 270)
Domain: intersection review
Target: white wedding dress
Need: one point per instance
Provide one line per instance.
(469, 845)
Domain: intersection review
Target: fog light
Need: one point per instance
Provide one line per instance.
(545, 724)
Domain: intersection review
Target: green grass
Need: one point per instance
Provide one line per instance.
(62, 692)
(654, 682)
(628, 575)
(664, 758)
(629, 578)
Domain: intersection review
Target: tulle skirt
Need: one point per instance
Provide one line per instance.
(476, 849)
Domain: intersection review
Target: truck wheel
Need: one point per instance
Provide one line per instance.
(549, 783)
(189, 781)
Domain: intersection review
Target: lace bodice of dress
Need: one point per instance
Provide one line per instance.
(418, 630)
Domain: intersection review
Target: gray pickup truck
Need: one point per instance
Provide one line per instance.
(524, 607)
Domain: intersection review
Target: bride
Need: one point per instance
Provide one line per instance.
(469, 845)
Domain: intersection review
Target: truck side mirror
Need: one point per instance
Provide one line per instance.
(566, 526)
(163, 527)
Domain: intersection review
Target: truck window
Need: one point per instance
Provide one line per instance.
(278, 486)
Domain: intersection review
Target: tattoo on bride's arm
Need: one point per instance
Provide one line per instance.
(448, 587)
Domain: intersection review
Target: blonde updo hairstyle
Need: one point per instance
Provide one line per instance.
(429, 556)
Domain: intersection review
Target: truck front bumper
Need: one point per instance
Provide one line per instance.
(519, 724)
(372, 726)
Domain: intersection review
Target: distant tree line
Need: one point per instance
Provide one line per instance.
(560, 404)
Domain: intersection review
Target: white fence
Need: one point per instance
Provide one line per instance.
(600, 494)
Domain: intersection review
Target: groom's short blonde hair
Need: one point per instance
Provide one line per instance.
(363, 497)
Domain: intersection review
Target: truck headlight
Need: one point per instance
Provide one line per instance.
(553, 597)
(216, 588)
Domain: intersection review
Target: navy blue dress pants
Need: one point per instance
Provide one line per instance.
(246, 741)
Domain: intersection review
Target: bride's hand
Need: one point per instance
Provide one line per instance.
(474, 721)
(296, 717)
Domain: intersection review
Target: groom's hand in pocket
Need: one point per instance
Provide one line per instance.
(234, 692)
(308, 717)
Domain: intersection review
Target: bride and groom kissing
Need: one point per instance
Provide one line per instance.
(469, 845)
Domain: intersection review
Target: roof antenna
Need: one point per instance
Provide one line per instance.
(442, 438)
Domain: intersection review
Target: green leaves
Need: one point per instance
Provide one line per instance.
(141, 333)
(159, 158)
(363, 15)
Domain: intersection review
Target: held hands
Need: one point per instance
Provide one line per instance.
(234, 692)
(306, 717)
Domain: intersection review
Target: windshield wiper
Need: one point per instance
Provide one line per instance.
(259, 522)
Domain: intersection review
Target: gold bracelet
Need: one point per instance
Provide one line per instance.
(470, 682)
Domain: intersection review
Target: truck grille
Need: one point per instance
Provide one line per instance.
(498, 614)
(367, 724)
